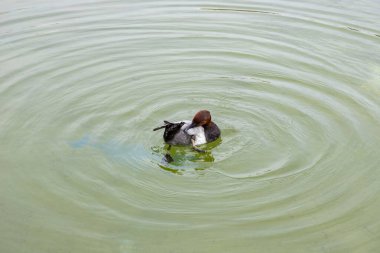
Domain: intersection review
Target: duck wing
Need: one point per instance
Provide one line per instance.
(171, 129)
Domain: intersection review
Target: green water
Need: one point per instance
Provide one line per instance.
(293, 85)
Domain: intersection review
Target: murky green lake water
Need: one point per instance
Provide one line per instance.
(294, 87)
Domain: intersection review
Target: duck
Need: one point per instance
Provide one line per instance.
(200, 130)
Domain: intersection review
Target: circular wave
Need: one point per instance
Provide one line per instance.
(293, 87)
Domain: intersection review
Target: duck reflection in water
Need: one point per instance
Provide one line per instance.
(200, 130)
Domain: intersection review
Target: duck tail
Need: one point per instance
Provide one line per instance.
(158, 128)
(166, 123)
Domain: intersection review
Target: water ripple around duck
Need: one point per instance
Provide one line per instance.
(293, 87)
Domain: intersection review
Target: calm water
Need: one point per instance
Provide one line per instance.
(294, 87)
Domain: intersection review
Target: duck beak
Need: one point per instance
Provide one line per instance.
(192, 125)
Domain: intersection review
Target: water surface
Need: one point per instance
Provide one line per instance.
(293, 86)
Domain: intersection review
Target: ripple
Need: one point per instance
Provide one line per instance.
(291, 85)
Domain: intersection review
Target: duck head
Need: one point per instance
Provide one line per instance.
(201, 118)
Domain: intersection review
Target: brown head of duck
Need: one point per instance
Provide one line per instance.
(201, 118)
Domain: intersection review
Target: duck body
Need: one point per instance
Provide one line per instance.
(199, 131)
(177, 133)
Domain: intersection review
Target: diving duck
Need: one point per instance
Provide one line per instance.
(199, 131)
